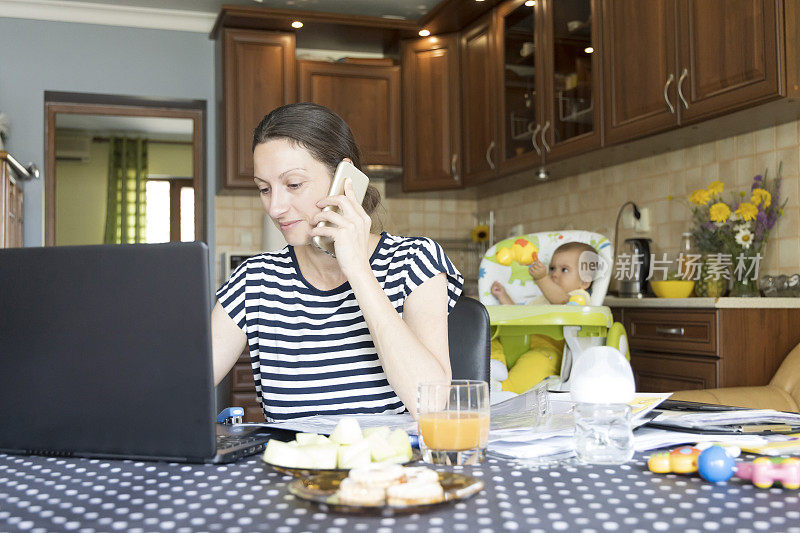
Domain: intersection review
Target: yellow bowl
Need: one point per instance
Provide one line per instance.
(676, 288)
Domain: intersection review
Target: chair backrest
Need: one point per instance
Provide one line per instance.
(508, 260)
(468, 334)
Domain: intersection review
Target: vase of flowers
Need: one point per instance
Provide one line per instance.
(733, 233)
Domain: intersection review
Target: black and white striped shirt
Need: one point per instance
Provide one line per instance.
(310, 349)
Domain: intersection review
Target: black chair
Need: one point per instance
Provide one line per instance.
(468, 334)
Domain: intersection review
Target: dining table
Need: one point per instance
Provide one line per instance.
(45, 494)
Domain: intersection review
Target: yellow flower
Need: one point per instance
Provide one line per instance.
(761, 195)
(716, 187)
(480, 233)
(747, 211)
(700, 197)
(719, 212)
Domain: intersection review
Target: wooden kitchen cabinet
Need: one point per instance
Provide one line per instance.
(478, 102)
(673, 62)
(367, 97)
(431, 114)
(256, 74)
(541, 98)
(11, 200)
(682, 349)
(730, 64)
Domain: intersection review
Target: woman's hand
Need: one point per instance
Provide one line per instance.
(537, 270)
(349, 230)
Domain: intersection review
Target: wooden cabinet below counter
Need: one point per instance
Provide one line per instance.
(681, 349)
(243, 390)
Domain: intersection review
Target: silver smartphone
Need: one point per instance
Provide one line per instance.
(360, 184)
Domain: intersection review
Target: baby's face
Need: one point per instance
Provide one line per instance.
(563, 271)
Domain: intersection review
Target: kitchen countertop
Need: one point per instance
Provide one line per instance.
(707, 303)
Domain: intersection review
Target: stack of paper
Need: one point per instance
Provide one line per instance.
(527, 435)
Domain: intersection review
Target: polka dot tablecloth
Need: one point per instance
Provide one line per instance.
(43, 494)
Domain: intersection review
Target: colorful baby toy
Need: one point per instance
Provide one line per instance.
(681, 460)
(765, 471)
(714, 463)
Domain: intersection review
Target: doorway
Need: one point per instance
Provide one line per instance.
(84, 136)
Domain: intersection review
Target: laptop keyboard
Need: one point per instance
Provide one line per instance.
(234, 447)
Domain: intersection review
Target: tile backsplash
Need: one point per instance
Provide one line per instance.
(588, 200)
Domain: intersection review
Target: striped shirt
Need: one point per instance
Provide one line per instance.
(310, 349)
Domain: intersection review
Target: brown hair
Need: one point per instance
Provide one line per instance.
(320, 131)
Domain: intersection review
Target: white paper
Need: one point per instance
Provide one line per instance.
(704, 419)
(325, 424)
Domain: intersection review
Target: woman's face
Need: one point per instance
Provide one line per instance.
(290, 182)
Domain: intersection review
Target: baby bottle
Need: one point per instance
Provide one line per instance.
(602, 385)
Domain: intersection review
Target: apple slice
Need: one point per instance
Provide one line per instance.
(398, 440)
(347, 431)
(354, 455)
(322, 455)
(379, 447)
(283, 454)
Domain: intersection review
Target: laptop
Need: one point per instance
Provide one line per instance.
(105, 351)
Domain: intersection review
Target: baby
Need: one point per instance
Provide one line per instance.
(562, 286)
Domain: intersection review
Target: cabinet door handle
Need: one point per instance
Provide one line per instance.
(533, 139)
(666, 98)
(680, 87)
(544, 141)
(669, 331)
(489, 155)
(453, 171)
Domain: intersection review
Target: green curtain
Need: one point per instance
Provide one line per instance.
(127, 196)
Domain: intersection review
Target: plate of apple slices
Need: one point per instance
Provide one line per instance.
(346, 448)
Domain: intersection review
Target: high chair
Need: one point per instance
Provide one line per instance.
(581, 326)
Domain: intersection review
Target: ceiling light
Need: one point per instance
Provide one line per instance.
(588, 49)
(424, 33)
(297, 24)
(530, 3)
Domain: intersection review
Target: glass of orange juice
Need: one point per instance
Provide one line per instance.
(453, 421)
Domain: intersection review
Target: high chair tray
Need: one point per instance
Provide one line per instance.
(549, 315)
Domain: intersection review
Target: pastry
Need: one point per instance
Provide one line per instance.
(379, 475)
(414, 493)
(354, 493)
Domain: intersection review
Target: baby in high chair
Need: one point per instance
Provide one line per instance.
(561, 285)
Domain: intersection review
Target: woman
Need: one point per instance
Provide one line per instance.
(350, 334)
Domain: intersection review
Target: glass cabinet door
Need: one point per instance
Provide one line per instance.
(520, 108)
(572, 99)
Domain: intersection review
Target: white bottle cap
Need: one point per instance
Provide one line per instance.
(601, 374)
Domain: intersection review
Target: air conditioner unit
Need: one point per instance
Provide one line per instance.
(73, 145)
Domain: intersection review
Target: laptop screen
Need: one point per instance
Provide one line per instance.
(105, 351)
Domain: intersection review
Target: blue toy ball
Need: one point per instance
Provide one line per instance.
(714, 464)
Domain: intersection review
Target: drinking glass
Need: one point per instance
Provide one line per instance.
(453, 421)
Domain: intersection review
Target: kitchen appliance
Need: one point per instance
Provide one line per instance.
(636, 285)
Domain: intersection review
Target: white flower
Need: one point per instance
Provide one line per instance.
(734, 217)
(744, 237)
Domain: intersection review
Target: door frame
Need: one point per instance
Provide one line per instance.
(103, 104)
